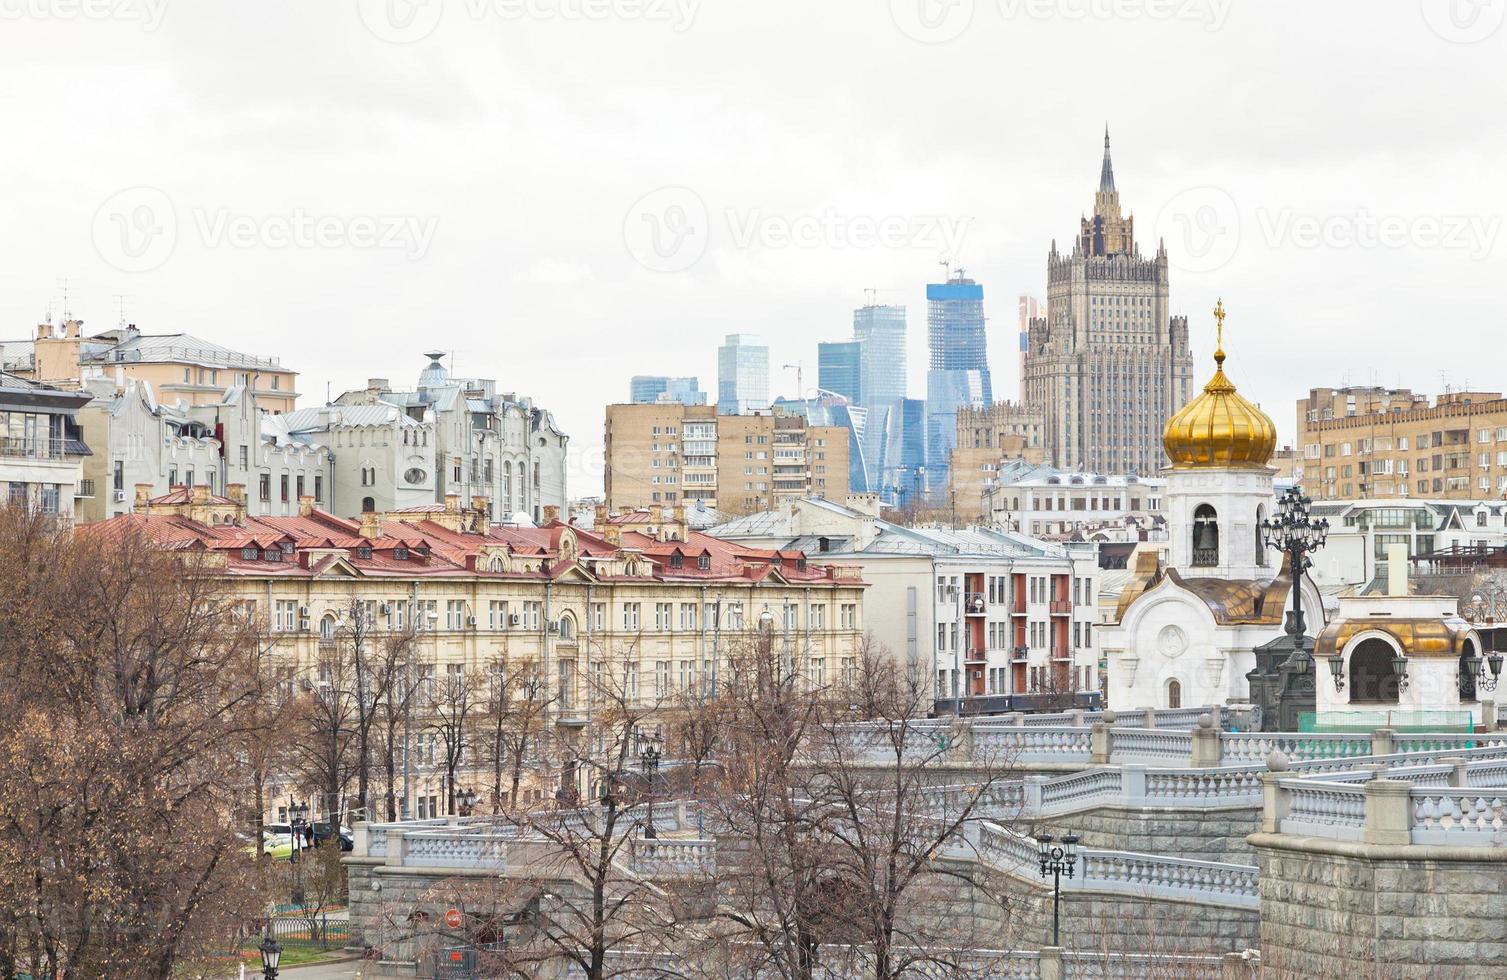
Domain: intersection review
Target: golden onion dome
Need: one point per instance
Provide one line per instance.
(1219, 428)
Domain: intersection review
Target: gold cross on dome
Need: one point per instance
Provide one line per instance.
(1219, 319)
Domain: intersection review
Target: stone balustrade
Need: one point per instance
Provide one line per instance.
(1121, 872)
(1150, 745)
(663, 857)
(1240, 747)
(1467, 816)
(1449, 802)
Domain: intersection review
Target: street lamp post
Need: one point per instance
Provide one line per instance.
(272, 954)
(1057, 860)
(297, 813)
(1297, 535)
(649, 761)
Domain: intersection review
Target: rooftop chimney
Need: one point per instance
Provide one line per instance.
(551, 513)
(1397, 569)
(305, 505)
(143, 494)
(371, 526)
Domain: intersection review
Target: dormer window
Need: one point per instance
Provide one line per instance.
(272, 554)
(400, 553)
(677, 560)
(800, 563)
(250, 553)
(364, 551)
(704, 562)
(287, 547)
(778, 562)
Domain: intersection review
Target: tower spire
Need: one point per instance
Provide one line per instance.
(1107, 173)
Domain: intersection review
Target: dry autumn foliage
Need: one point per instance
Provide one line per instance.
(130, 700)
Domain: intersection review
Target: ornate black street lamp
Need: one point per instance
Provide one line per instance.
(649, 761)
(1295, 533)
(298, 814)
(272, 954)
(1057, 860)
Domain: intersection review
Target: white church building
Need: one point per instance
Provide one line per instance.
(1186, 625)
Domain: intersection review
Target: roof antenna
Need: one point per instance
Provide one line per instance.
(67, 313)
(120, 303)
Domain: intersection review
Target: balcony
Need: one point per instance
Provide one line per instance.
(1062, 654)
(975, 655)
(1061, 607)
(85, 490)
(1019, 654)
(973, 604)
(36, 447)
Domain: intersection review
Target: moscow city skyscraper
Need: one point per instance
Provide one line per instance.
(742, 375)
(959, 371)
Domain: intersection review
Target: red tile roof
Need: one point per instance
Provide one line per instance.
(457, 553)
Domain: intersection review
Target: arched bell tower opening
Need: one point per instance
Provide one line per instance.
(1205, 537)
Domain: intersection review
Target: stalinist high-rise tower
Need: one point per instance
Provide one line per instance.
(1108, 365)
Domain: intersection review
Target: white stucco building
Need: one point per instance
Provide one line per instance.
(1186, 625)
(999, 619)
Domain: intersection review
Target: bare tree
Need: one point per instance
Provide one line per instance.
(395, 713)
(600, 905)
(130, 681)
(328, 714)
(450, 714)
(831, 841)
(511, 722)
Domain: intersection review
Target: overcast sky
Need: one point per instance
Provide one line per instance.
(568, 192)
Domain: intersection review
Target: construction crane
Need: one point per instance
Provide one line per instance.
(800, 378)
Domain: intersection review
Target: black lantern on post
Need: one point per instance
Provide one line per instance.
(272, 954)
(1488, 681)
(1337, 671)
(1057, 860)
(649, 761)
(1400, 667)
(1297, 535)
(1283, 683)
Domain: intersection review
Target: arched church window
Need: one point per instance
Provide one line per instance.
(1174, 694)
(368, 505)
(1372, 676)
(1205, 537)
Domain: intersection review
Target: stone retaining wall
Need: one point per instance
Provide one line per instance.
(1333, 909)
(1100, 922)
(1198, 835)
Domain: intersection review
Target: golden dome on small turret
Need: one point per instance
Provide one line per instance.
(1219, 428)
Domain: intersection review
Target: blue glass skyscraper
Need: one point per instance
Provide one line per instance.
(959, 371)
(839, 369)
(646, 389)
